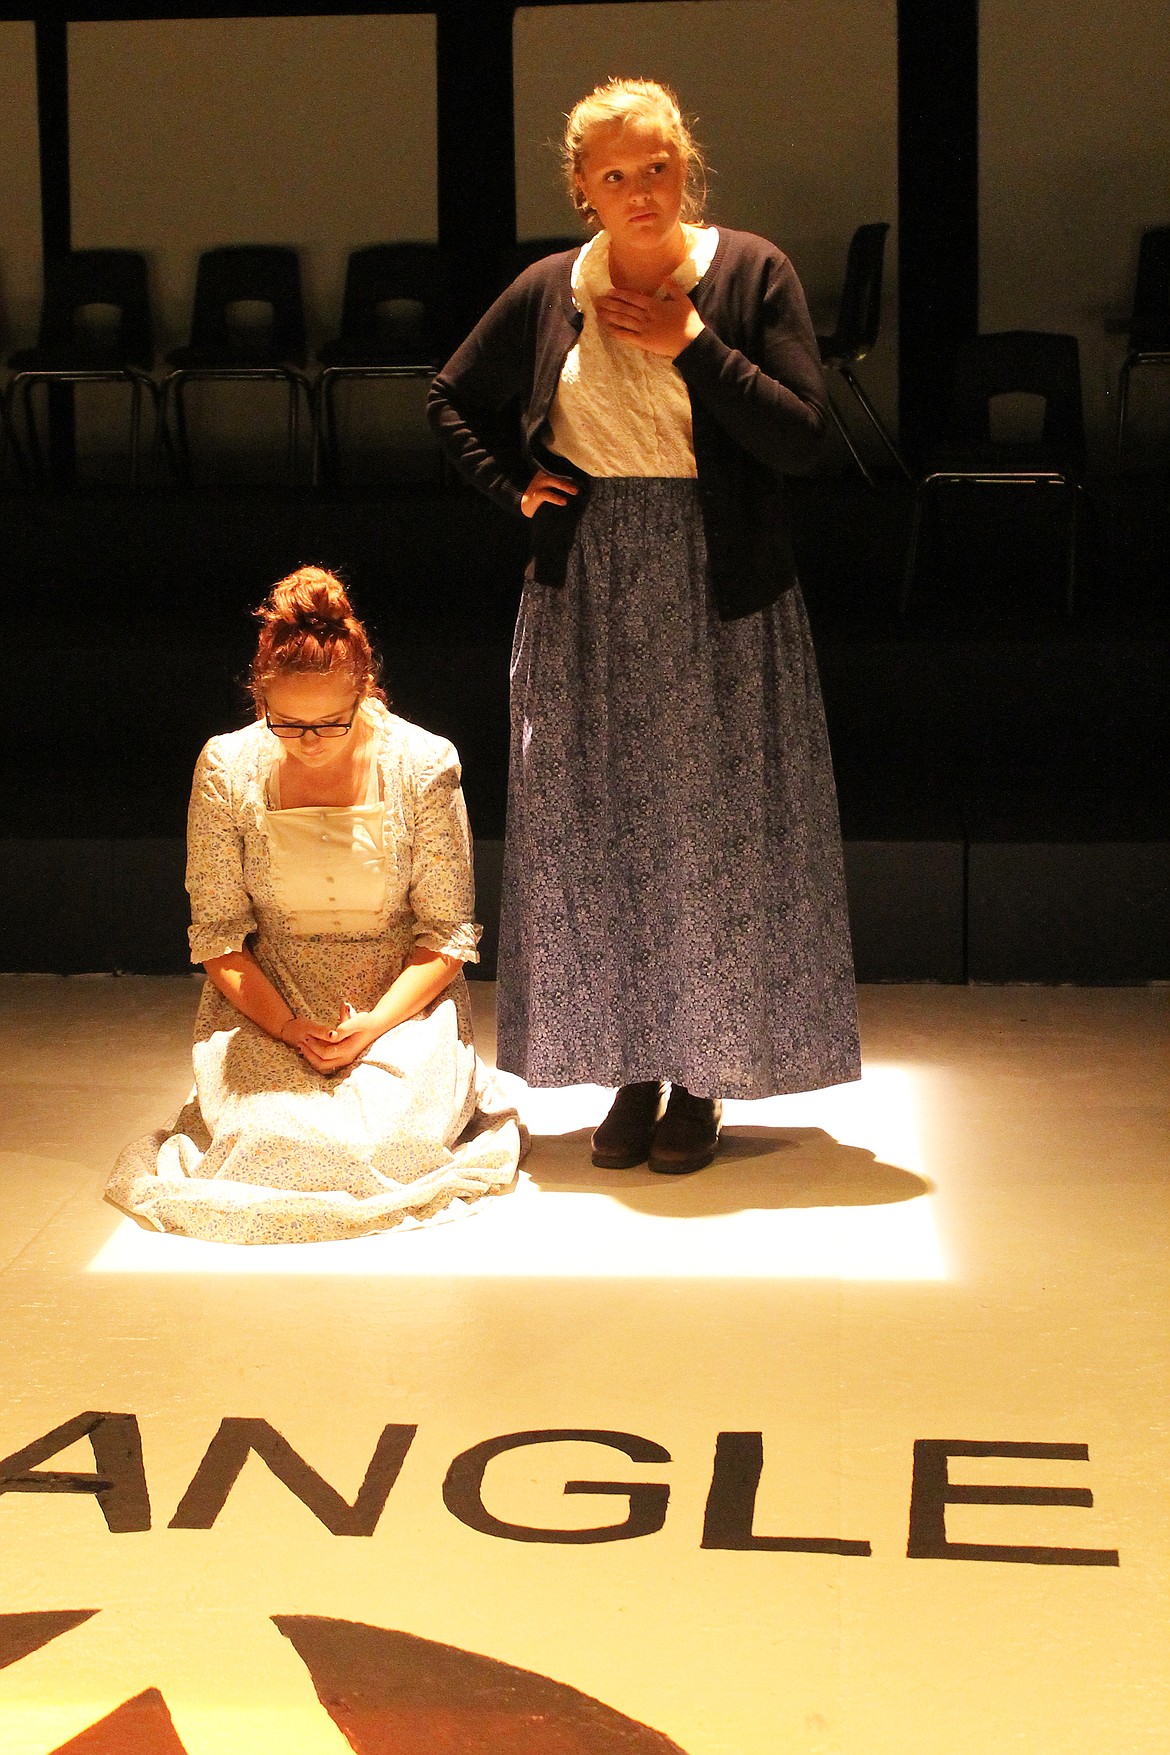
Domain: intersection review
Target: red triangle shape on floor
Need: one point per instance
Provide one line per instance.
(141, 1726)
(22, 1634)
(392, 1693)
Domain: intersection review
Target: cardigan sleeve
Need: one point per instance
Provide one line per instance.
(772, 405)
(473, 405)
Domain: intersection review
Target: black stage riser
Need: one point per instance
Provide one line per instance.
(945, 911)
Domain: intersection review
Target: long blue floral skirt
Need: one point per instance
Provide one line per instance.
(673, 902)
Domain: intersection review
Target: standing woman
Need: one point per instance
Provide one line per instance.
(673, 908)
(337, 1090)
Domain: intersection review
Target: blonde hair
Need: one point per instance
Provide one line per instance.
(633, 100)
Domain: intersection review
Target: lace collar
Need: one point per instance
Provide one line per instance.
(590, 278)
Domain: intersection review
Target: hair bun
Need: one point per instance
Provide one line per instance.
(307, 624)
(319, 624)
(310, 601)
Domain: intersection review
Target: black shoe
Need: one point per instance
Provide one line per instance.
(687, 1137)
(624, 1137)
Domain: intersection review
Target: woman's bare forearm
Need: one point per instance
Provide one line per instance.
(423, 979)
(242, 981)
(244, 984)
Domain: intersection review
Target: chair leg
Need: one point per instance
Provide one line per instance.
(177, 385)
(141, 382)
(36, 455)
(162, 437)
(912, 547)
(306, 385)
(135, 428)
(298, 384)
(154, 395)
(875, 421)
(329, 435)
(315, 431)
(291, 434)
(1122, 410)
(1070, 594)
(9, 425)
(852, 448)
(294, 422)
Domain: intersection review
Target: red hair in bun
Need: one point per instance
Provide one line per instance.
(307, 624)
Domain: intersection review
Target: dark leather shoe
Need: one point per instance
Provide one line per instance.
(624, 1137)
(687, 1137)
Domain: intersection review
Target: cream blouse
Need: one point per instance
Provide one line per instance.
(619, 410)
(328, 862)
(415, 854)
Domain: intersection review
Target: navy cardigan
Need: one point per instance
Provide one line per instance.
(757, 400)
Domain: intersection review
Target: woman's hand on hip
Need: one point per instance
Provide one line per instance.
(547, 489)
(663, 322)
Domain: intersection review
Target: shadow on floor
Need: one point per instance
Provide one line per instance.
(757, 1167)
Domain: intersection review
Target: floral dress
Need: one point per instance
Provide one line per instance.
(266, 1150)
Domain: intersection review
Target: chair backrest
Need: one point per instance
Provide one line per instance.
(236, 274)
(1149, 328)
(113, 280)
(395, 297)
(1020, 361)
(860, 312)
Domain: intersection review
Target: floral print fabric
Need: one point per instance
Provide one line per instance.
(673, 900)
(266, 1149)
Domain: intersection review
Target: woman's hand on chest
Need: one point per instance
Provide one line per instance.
(661, 323)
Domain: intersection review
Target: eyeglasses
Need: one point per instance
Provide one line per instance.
(327, 728)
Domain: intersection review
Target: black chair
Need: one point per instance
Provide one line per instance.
(394, 324)
(95, 329)
(1019, 361)
(224, 349)
(1149, 326)
(858, 325)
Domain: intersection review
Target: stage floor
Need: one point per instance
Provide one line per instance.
(868, 1419)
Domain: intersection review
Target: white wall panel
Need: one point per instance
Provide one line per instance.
(20, 189)
(187, 133)
(1074, 163)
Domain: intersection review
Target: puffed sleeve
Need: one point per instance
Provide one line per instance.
(221, 908)
(442, 886)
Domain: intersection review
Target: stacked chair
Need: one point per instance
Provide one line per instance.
(221, 349)
(393, 327)
(1028, 362)
(1149, 325)
(75, 347)
(855, 336)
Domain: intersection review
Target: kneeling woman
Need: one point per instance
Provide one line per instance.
(337, 1089)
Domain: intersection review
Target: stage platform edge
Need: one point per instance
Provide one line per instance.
(946, 911)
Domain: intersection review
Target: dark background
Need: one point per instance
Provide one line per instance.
(1001, 765)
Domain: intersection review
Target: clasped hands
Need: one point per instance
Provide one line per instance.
(663, 323)
(331, 1050)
